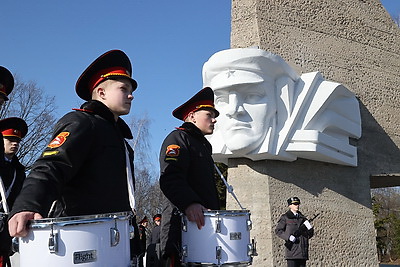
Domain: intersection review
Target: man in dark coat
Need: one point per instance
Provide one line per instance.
(12, 176)
(88, 166)
(153, 253)
(155, 232)
(187, 172)
(143, 239)
(296, 230)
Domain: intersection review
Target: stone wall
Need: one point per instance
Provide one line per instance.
(353, 42)
(344, 232)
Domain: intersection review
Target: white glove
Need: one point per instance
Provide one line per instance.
(292, 238)
(308, 224)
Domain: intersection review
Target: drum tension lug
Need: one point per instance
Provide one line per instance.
(184, 251)
(249, 225)
(218, 252)
(252, 248)
(184, 225)
(15, 244)
(114, 235)
(218, 225)
(53, 241)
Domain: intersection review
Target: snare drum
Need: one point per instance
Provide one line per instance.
(95, 240)
(224, 239)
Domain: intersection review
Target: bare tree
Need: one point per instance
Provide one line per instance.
(387, 222)
(28, 102)
(148, 195)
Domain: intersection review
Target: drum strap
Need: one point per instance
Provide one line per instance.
(11, 185)
(4, 196)
(131, 187)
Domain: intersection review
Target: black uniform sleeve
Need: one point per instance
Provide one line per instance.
(60, 161)
(280, 229)
(174, 168)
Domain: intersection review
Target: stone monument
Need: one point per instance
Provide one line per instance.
(270, 112)
(355, 44)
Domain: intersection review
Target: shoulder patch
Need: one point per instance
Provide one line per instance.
(172, 151)
(58, 140)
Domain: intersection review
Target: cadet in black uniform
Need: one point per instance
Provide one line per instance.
(13, 175)
(155, 232)
(187, 172)
(84, 166)
(6, 86)
(153, 253)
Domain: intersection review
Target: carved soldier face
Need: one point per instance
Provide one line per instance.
(246, 113)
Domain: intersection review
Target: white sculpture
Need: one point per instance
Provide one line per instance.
(268, 111)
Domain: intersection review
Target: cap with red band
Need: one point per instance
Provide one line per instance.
(105, 74)
(157, 217)
(144, 220)
(110, 65)
(204, 99)
(13, 127)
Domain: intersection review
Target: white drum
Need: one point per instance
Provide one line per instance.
(224, 239)
(95, 240)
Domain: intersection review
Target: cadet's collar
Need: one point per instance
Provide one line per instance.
(102, 110)
(196, 132)
(190, 127)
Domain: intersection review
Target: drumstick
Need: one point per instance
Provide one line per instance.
(228, 187)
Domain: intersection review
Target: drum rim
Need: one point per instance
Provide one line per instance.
(81, 219)
(226, 212)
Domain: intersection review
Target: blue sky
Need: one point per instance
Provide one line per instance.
(52, 42)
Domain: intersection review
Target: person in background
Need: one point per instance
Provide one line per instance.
(87, 168)
(6, 86)
(296, 230)
(13, 174)
(143, 238)
(155, 232)
(187, 172)
(153, 253)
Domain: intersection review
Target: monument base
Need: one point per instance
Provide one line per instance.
(344, 229)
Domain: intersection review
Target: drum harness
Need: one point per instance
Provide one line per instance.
(228, 187)
(3, 217)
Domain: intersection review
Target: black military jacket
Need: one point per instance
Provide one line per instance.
(187, 169)
(187, 176)
(9, 170)
(83, 167)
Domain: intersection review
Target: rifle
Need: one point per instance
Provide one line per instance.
(302, 229)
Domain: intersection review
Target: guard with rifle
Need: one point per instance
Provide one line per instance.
(296, 230)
